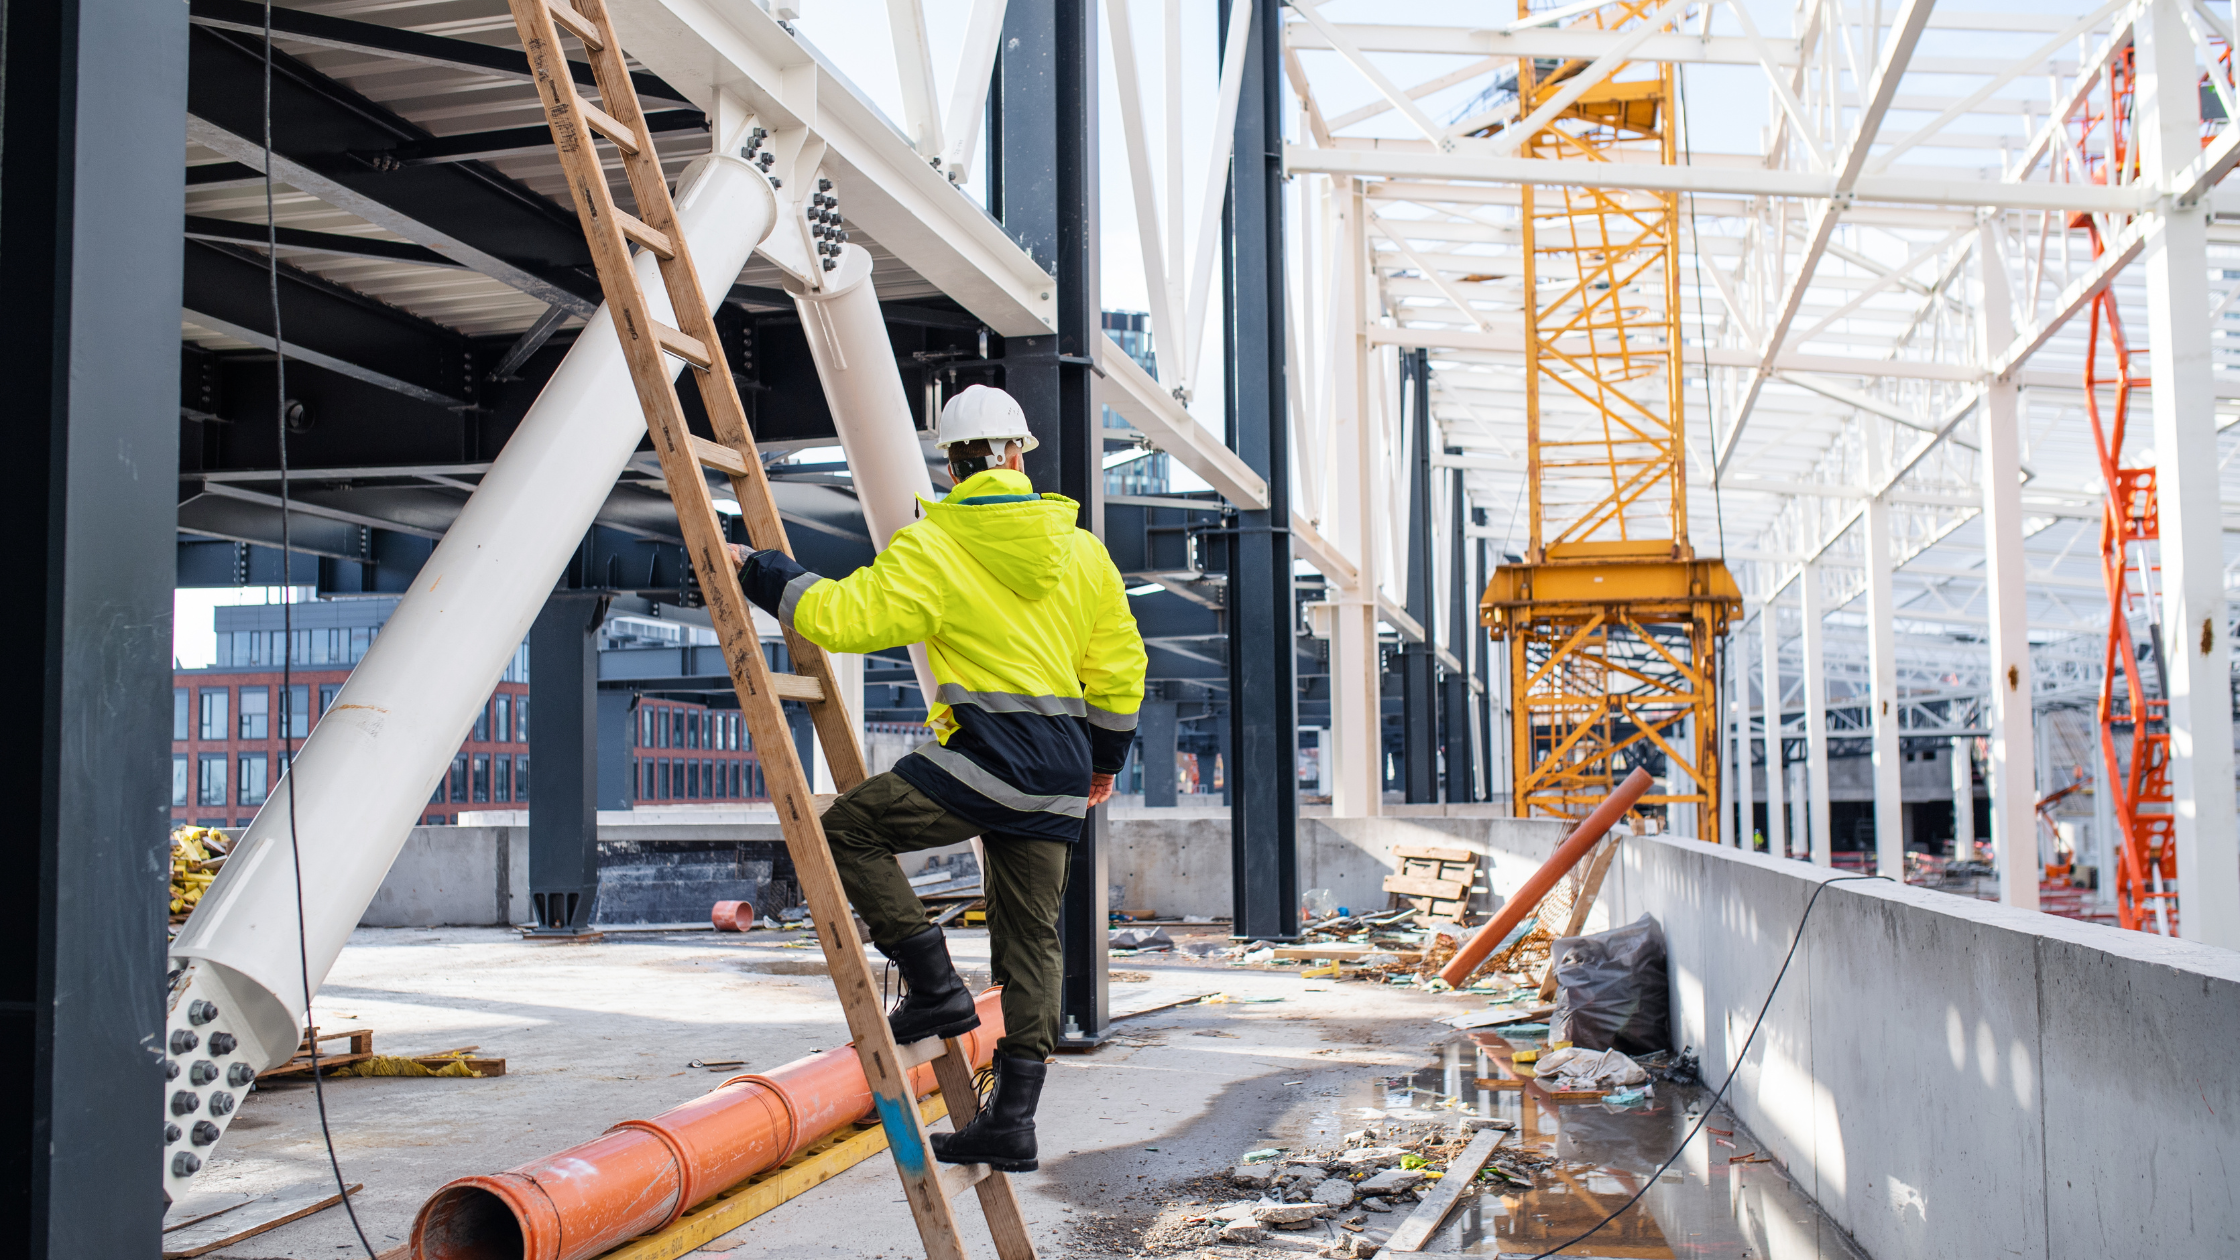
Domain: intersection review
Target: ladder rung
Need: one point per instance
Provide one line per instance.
(796, 687)
(918, 1052)
(682, 345)
(646, 234)
(958, 1178)
(718, 456)
(575, 24)
(611, 127)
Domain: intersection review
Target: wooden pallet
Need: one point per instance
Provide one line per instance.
(361, 1049)
(1436, 881)
(579, 128)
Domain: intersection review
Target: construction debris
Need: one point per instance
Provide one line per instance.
(196, 855)
(1612, 989)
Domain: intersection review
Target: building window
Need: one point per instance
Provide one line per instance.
(645, 727)
(327, 693)
(676, 728)
(708, 779)
(521, 770)
(501, 779)
(214, 713)
(692, 728)
(182, 725)
(501, 719)
(459, 779)
(360, 636)
(641, 779)
(295, 716)
(482, 725)
(661, 728)
(521, 716)
(692, 778)
(482, 778)
(256, 707)
(179, 777)
(210, 782)
(253, 786)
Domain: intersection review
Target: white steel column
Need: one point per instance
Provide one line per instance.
(1356, 710)
(1739, 773)
(1816, 716)
(2012, 776)
(1777, 779)
(2186, 476)
(1882, 661)
(1963, 799)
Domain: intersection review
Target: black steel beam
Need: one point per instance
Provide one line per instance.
(228, 291)
(331, 142)
(1455, 726)
(200, 228)
(320, 31)
(94, 94)
(1262, 770)
(564, 740)
(506, 142)
(1042, 178)
(1419, 662)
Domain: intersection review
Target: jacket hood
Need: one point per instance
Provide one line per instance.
(1024, 539)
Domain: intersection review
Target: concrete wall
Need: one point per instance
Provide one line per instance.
(1953, 1078)
(455, 876)
(1176, 861)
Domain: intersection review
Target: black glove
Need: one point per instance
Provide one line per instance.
(765, 575)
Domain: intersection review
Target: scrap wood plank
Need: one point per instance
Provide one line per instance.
(1431, 853)
(1579, 908)
(223, 1229)
(1461, 1171)
(757, 1195)
(1346, 953)
(1425, 886)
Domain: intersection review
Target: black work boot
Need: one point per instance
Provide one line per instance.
(938, 1004)
(1002, 1135)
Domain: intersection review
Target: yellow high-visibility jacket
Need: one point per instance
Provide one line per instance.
(1026, 624)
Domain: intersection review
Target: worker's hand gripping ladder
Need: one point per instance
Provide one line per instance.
(577, 126)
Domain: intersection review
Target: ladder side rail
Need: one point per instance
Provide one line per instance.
(750, 672)
(719, 392)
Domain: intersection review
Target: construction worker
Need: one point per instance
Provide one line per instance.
(1040, 675)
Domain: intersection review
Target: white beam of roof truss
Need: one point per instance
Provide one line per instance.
(1831, 308)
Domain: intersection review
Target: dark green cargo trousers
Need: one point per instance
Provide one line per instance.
(1024, 881)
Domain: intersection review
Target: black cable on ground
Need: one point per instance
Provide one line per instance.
(1739, 1056)
(288, 642)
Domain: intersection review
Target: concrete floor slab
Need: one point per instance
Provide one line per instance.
(594, 1034)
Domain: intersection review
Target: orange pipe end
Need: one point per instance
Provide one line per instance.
(642, 1175)
(1527, 898)
(732, 916)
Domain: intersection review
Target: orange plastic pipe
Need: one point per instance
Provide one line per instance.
(1567, 855)
(642, 1175)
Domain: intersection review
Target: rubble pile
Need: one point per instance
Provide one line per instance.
(1340, 1201)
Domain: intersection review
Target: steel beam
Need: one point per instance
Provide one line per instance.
(1419, 704)
(1815, 679)
(2180, 355)
(1777, 779)
(94, 94)
(1262, 608)
(1456, 727)
(2006, 598)
(709, 49)
(1042, 181)
(1882, 653)
(564, 740)
(1356, 701)
(227, 291)
(325, 142)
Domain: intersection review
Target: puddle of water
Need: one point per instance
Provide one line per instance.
(1702, 1207)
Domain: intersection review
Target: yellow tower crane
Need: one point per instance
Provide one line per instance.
(1611, 620)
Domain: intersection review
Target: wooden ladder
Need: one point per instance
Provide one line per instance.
(618, 120)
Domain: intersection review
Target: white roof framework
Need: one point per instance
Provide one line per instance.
(1831, 303)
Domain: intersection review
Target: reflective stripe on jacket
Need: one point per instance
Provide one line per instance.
(1026, 623)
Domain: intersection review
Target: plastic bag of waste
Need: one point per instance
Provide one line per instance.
(1611, 991)
(1575, 1067)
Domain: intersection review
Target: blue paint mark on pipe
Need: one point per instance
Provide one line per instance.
(902, 1135)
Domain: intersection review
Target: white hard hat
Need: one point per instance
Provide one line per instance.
(983, 414)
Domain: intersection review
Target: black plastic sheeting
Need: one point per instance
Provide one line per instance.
(1611, 990)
